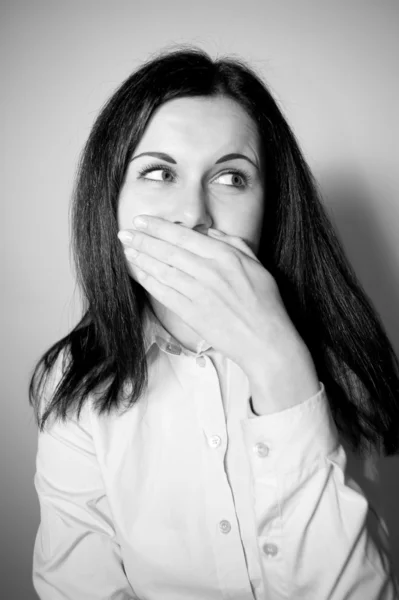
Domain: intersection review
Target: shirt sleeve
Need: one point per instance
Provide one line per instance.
(76, 553)
(310, 517)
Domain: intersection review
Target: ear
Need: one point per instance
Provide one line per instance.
(234, 241)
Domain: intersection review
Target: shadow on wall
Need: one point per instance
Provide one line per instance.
(350, 208)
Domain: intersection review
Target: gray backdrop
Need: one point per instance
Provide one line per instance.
(331, 65)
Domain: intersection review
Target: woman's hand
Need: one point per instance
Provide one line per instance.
(222, 291)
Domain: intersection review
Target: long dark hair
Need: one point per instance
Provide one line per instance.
(351, 351)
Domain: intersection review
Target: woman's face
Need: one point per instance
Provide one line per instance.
(192, 183)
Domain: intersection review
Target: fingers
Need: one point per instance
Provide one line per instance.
(234, 241)
(164, 252)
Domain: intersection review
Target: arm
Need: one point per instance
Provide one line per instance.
(311, 519)
(76, 553)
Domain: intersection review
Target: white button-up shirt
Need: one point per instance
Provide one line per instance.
(189, 495)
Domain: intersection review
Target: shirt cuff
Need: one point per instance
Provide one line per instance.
(292, 438)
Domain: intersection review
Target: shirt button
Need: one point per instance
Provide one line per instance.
(173, 348)
(270, 550)
(201, 362)
(261, 449)
(214, 441)
(224, 526)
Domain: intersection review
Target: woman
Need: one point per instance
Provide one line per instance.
(192, 424)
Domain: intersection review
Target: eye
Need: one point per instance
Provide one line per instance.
(239, 174)
(155, 168)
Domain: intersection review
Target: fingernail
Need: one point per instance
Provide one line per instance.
(140, 222)
(125, 237)
(131, 253)
(215, 232)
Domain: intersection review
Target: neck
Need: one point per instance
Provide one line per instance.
(175, 325)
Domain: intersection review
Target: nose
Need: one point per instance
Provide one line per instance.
(192, 211)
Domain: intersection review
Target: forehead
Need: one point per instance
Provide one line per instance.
(201, 122)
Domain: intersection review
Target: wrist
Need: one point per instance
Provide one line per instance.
(283, 378)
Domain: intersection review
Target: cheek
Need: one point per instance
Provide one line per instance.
(255, 220)
(250, 227)
(257, 229)
(134, 201)
(129, 206)
(127, 210)
(246, 222)
(124, 210)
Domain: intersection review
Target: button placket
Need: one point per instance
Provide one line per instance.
(221, 514)
(220, 511)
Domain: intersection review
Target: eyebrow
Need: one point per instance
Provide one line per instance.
(169, 159)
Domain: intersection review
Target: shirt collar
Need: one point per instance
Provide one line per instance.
(155, 333)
